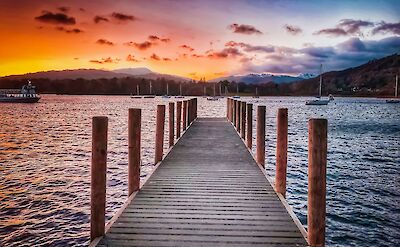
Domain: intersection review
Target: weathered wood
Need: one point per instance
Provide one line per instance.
(249, 132)
(160, 122)
(134, 144)
(243, 120)
(260, 138)
(281, 151)
(201, 197)
(234, 112)
(178, 119)
(317, 158)
(171, 123)
(98, 176)
(238, 104)
(184, 115)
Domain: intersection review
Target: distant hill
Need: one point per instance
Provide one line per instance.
(92, 74)
(254, 78)
(376, 77)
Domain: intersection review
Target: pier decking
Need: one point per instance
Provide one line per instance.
(207, 191)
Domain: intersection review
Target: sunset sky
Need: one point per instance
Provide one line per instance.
(196, 38)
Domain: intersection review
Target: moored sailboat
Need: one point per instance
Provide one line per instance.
(395, 99)
(319, 100)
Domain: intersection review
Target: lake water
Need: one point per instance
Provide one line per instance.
(45, 165)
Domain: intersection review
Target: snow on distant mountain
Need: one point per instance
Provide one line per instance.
(134, 71)
(254, 78)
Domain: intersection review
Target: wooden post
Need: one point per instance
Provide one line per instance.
(196, 107)
(184, 120)
(178, 118)
(187, 113)
(281, 151)
(234, 113)
(227, 108)
(249, 132)
(134, 137)
(159, 133)
(260, 139)
(98, 176)
(238, 103)
(243, 120)
(171, 108)
(317, 155)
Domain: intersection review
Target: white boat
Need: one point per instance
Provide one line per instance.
(237, 92)
(213, 98)
(395, 100)
(256, 96)
(167, 95)
(318, 100)
(26, 95)
(180, 96)
(151, 96)
(137, 96)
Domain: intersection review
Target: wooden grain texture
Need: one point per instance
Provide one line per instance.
(98, 176)
(208, 191)
(281, 151)
(134, 147)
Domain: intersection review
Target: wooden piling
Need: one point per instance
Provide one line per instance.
(238, 116)
(243, 120)
(249, 132)
(281, 151)
(171, 123)
(160, 121)
(260, 139)
(98, 176)
(317, 159)
(227, 108)
(234, 112)
(178, 118)
(134, 138)
(184, 119)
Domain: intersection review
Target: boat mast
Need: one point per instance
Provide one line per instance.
(237, 88)
(137, 89)
(214, 89)
(167, 90)
(320, 81)
(150, 88)
(397, 82)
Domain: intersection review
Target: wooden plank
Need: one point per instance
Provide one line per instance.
(207, 191)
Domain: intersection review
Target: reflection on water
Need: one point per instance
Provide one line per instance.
(45, 162)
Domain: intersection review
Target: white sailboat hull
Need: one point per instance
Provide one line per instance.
(317, 102)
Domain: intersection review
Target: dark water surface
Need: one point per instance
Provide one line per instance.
(45, 165)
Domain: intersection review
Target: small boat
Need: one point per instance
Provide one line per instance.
(151, 96)
(180, 96)
(319, 100)
(137, 96)
(166, 96)
(237, 92)
(395, 100)
(256, 96)
(26, 95)
(330, 96)
(213, 98)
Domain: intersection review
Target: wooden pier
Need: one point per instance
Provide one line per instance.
(208, 190)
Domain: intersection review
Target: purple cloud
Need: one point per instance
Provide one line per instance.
(293, 29)
(55, 18)
(244, 29)
(384, 27)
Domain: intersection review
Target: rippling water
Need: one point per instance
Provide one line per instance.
(45, 165)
